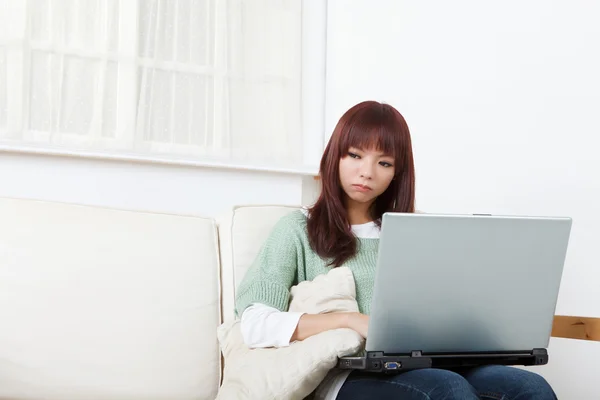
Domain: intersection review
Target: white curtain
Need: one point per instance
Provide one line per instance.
(195, 79)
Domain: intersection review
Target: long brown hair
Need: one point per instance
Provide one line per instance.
(367, 125)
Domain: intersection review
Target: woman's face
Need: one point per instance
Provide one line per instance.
(365, 174)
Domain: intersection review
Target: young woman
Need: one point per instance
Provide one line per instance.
(367, 169)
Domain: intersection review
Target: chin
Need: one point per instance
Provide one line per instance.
(361, 199)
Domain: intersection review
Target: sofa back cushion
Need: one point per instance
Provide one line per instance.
(106, 304)
(242, 233)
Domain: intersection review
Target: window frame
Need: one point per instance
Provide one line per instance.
(312, 101)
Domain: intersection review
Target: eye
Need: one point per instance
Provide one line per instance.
(353, 155)
(385, 164)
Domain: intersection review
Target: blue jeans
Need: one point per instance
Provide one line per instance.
(491, 382)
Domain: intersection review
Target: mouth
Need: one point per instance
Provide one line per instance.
(362, 188)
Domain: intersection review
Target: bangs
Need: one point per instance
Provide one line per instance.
(373, 129)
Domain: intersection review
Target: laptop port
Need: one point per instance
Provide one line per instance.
(391, 365)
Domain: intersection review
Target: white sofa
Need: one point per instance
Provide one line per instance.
(101, 304)
(107, 304)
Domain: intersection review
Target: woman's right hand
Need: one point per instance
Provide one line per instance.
(359, 322)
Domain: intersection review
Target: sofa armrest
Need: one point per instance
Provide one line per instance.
(571, 327)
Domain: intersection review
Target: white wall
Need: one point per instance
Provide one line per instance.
(135, 186)
(502, 99)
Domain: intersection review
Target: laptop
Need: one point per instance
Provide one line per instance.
(456, 291)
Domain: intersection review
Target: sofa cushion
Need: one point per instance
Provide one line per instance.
(292, 372)
(242, 232)
(106, 304)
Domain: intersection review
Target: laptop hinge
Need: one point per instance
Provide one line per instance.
(378, 354)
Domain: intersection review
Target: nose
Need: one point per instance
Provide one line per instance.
(366, 170)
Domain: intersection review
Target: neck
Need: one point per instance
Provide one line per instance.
(358, 213)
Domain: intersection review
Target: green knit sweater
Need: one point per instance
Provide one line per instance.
(286, 259)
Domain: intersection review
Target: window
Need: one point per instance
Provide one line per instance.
(206, 80)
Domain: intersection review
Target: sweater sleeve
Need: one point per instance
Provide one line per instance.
(274, 270)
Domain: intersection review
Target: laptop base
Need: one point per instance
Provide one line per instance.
(378, 361)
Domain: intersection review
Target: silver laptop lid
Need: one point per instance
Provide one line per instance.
(466, 283)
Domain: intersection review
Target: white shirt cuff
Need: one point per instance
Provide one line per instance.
(263, 326)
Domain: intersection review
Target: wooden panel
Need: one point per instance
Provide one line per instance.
(584, 328)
